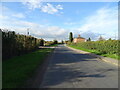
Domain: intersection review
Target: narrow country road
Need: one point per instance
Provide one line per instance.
(70, 69)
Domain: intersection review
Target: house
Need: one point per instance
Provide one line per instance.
(79, 39)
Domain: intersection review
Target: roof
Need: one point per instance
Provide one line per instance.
(79, 37)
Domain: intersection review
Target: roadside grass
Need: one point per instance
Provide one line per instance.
(18, 69)
(114, 56)
(111, 56)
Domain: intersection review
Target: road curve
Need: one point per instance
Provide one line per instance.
(70, 69)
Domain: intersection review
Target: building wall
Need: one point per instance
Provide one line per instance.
(76, 40)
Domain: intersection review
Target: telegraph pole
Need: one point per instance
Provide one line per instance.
(28, 31)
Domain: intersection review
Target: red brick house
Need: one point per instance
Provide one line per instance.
(79, 39)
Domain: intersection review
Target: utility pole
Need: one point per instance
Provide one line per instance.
(28, 31)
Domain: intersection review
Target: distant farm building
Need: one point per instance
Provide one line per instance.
(79, 39)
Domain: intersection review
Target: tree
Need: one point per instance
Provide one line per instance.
(62, 42)
(89, 39)
(109, 39)
(66, 41)
(55, 42)
(101, 38)
(41, 42)
(71, 37)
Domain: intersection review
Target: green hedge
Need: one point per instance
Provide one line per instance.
(49, 43)
(104, 47)
(15, 44)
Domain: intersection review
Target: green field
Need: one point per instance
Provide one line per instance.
(114, 56)
(18, 69)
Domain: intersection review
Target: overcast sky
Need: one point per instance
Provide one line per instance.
(54, 20)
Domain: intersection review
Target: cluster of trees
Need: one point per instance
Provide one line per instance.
(103, 46)
(71, 37)
(48, 43)
(89, 39)
(15, 44)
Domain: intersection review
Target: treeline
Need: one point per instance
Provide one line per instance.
(15, 44)
(48, 43)
(104, 46)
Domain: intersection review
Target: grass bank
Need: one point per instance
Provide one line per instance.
(18, 69)
(114, 56)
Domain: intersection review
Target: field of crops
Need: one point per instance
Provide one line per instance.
(15, 44)
(102, 47)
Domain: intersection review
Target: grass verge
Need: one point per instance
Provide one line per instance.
(18, 69)
(114, 56)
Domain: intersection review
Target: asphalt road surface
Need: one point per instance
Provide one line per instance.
(70, 69)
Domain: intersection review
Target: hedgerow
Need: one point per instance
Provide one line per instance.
(104, 47)
(15, 44)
